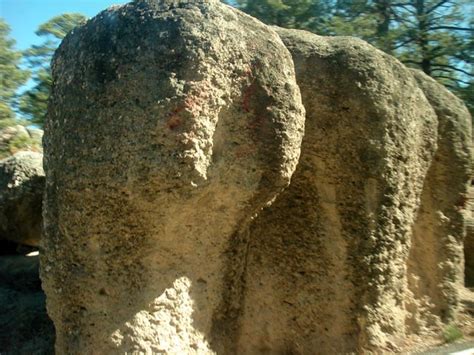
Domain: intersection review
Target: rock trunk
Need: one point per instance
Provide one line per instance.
(435, 265)
(326, 266)
(170, 125)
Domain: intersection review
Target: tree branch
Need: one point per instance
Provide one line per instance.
(445, 67)
(404, 6)
(434, 7)
(408, 61)
(409, 40)
(443, 77)
(449, 78)
(454, 28)
(403, 19)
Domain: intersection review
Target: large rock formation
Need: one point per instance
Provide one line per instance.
(171, 123)
(326, 269)
(435, 265)
(21, 195)
(469, 240)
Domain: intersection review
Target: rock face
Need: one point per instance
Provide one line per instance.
(170, 125)
(469, 240)
(326, 264)
(435, 265)
(21, 194)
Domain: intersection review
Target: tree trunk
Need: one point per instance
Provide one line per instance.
(423, 28)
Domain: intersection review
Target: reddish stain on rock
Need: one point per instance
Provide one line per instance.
(247, 96)
(173, 122)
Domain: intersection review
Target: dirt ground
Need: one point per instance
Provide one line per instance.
(434, 342)
(24, 325)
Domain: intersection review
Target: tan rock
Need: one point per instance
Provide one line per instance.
(171, 123)
(469, 240)
(435, 265)
(326, 270)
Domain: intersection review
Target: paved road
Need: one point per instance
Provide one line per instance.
(463, 348)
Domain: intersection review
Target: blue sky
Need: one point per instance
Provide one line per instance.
(24, 16)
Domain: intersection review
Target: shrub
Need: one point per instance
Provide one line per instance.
(452, 333)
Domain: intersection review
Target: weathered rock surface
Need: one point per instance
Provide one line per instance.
(170, 125)
(173, 123)
(435, 265)
(21, 195)
(469, 240)
(326, 271)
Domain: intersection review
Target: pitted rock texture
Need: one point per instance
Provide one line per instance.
(469, 239)
(435, 265)
(21, 195)
(170, 125)
(326, 270)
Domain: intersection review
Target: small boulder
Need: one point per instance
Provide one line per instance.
(21, 194)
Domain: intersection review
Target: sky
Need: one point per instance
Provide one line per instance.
(24, 16)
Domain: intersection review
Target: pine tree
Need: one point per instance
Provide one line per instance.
(436, 36)
(300, 14)
(33, 102)
(436, 40)
(11, 75)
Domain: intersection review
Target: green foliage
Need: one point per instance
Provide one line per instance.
(33, 102)
(300, 14)
(14, 139)
(7, 122)
(452, 333)
(11, 75)
(60, 26)
(21, 142)
(439, 39)
(435, 38)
